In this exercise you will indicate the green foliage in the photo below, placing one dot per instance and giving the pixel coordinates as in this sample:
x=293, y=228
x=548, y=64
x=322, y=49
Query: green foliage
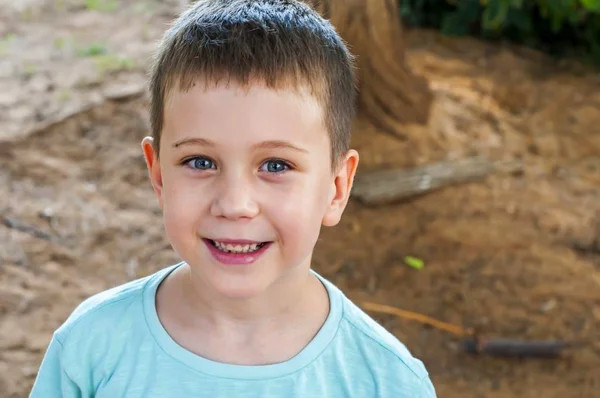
x=101, y=5
x=112, y=62
x=559, y=27
x=93, y=50
x=105, y=61
x=29, y=69
x=6, y=41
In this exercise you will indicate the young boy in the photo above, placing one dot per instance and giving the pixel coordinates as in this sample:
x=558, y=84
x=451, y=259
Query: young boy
x=251, y=109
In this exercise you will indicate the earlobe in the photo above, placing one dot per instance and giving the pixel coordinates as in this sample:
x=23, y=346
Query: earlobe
x=153, y=165
x=342, y=186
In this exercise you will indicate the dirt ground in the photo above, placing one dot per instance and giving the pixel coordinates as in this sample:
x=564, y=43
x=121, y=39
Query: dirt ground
x=515, y=255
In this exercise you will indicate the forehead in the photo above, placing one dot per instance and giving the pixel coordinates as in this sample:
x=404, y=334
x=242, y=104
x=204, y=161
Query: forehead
x=244, y=113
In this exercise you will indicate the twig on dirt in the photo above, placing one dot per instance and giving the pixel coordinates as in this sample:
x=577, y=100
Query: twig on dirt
x=476, y=344
x=123, y=92
x=392, y=185
x=109, y=94
x=26, y=228
x=593, y=245
x=62, y=116
x=448, y=327
x=514, y=348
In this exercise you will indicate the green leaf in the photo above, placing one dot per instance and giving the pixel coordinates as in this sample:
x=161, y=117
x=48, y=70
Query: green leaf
x=522, y=21
x=414, y=262
x=555, y=22
x=591, y=5
x=494, y=15
x=575, y=18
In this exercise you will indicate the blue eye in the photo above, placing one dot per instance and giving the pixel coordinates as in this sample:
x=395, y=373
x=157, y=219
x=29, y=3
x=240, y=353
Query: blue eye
x=201, y=163
x=275, y=166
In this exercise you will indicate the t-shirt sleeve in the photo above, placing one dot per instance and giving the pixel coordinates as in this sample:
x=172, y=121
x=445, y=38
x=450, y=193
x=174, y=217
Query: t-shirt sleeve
x=52, y=379
x=427, y=389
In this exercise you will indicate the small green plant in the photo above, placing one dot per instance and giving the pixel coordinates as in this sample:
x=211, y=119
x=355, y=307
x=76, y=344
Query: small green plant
x=29, y=69
x=101, y=5
x=112, y=63
x=65, y=94
x=93, y=50
x=60, y=43
x=27, y=14
x=144, y=8
x=60, y=5
x=6, y=41
x=106, y=62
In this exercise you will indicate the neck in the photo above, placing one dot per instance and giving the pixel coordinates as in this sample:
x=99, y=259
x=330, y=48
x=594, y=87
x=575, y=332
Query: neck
x=297, y=292
x=269, y=328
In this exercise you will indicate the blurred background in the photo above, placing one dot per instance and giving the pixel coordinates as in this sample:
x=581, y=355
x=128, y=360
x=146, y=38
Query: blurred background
x=477, y=201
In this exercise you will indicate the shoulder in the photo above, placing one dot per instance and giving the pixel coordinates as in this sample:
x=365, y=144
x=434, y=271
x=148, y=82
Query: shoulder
x=106, y=310
x=99, y=333
x=392, y=365
x=377, y=338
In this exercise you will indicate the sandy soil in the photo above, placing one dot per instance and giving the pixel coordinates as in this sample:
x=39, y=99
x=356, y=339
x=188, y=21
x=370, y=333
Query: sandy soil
x=516, y=256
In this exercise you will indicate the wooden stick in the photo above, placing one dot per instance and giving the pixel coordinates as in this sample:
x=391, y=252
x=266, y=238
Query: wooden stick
x=386, y=309
x=22, y=227
x=109, y=94
x=476, y=344
x=514, y=348
x=392, y=185
x=61, y=117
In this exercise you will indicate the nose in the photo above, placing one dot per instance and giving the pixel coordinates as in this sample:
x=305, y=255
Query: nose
x=234, y=199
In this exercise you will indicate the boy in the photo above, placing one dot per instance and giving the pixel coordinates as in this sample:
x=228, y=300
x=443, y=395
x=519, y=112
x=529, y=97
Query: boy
x=251, y=108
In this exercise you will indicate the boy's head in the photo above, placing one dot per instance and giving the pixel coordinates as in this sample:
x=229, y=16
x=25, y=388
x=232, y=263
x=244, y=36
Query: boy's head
x=251, y=108
x=281, y=43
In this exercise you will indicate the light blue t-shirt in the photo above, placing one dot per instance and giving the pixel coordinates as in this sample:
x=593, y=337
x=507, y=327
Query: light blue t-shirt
x=113, y=345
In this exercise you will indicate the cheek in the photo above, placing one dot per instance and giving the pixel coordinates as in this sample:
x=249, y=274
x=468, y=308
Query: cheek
x=297, y=210
x=182, y=204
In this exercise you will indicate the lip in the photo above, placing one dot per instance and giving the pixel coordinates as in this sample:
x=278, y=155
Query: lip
x=238, y=259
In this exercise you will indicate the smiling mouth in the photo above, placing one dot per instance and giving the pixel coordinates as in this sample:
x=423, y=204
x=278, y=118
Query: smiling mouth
x=236, y=248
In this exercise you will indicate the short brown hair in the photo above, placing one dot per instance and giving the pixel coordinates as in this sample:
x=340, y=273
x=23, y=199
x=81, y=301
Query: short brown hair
x=283, y=43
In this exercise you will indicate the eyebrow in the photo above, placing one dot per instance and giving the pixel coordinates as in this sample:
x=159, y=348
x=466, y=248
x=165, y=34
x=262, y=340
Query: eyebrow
x=276, y=144
x=272, y=144
x=193, y=141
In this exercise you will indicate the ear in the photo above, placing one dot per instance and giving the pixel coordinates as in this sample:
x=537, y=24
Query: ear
x=341, y=187
x=153, y=165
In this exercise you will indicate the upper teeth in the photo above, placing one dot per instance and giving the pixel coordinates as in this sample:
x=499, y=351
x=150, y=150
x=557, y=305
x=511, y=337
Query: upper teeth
x=237, y=248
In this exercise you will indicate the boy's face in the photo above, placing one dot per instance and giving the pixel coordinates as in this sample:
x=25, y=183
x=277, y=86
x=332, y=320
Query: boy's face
x=245, y=183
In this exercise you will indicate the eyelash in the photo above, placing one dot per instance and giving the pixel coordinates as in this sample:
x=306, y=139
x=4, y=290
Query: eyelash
x=287, y=165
